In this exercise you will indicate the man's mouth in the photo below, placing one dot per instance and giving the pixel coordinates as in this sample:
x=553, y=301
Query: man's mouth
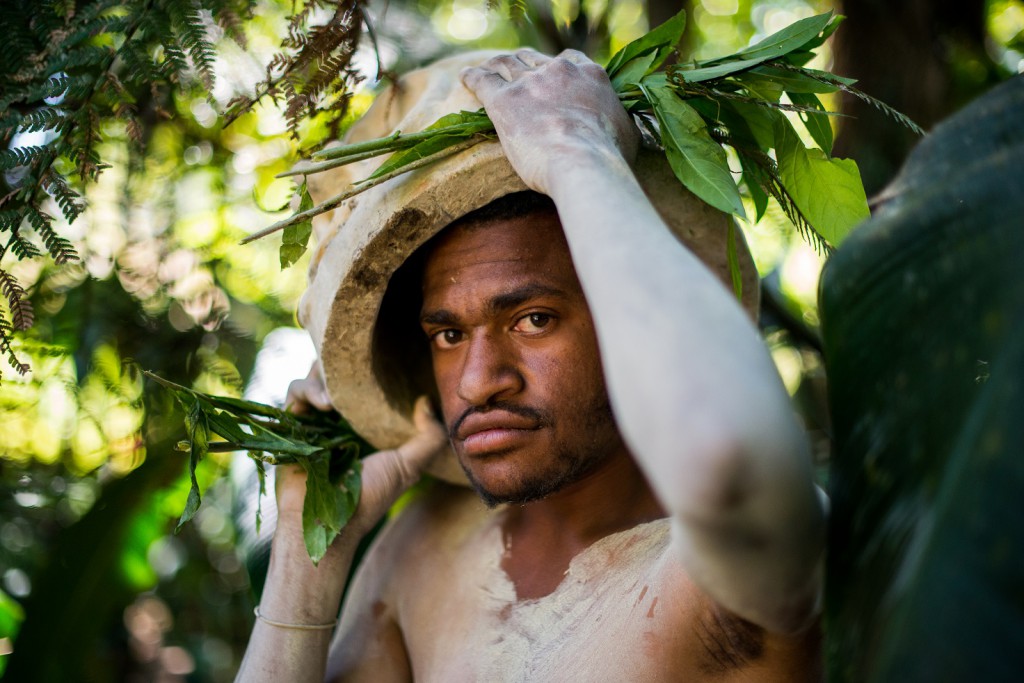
x=483, y=433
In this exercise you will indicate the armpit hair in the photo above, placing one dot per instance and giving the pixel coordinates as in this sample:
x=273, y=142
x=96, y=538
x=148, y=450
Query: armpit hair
x=729, y=641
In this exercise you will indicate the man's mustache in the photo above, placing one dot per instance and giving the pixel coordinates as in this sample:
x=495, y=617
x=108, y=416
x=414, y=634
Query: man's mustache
x=541, y=418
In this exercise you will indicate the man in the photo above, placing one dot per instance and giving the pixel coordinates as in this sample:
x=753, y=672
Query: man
x=678, y=540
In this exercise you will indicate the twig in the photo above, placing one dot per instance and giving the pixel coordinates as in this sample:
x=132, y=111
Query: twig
x=333, y=202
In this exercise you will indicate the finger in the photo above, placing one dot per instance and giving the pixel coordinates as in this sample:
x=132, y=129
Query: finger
x=430, y=438
x=574, y=56
x=393, y=471
x=509, y=67
x=481, y=80
x=532, y=58
x=306, y=393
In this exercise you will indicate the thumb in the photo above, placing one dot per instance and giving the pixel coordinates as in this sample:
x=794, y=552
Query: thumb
x=387, y=474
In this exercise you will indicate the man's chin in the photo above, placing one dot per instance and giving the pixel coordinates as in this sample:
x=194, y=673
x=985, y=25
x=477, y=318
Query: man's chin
x=516, y=489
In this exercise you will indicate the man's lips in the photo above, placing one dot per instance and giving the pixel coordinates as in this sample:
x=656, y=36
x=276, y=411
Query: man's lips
x=493, y=431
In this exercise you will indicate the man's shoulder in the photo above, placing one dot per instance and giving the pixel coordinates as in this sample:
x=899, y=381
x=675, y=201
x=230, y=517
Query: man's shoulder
x=434, y=520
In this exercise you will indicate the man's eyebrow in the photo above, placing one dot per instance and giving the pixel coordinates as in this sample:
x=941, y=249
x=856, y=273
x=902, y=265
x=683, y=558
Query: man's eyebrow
x=439, y=317
x=520, y=295
x=497, y=304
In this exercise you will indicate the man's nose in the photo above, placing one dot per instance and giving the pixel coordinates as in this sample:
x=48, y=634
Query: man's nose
x=489, y=371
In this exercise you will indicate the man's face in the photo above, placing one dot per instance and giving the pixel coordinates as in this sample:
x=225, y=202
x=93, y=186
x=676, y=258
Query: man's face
x=515, y=358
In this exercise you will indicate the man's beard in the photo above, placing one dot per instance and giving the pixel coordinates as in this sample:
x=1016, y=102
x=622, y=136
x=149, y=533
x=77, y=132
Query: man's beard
x=572, y=461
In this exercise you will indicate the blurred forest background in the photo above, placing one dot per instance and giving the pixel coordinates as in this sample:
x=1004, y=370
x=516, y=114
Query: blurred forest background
x=94, y=584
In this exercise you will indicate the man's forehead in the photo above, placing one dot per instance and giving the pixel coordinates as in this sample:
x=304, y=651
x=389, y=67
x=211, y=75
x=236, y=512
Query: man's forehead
x=527, y=253
x=517, y=241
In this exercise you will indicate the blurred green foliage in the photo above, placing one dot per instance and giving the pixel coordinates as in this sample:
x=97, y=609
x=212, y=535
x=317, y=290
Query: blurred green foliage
x=90, y=485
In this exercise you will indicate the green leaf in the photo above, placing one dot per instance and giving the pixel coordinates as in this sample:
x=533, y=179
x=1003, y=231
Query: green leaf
x=199, y=438
x=420, y=150
x=825, y=34
x=646, y=54
x=785, y=79
x=828, y=191
x=734, y=262
x=698, y=161
x=818, y=125
x=324, y=508
x=261, y=473
x=296, y=237
x=791, y=38
x=757, y=193
x=699, y=73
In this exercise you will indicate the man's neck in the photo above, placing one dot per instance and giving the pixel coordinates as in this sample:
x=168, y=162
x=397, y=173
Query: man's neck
x=542, y=537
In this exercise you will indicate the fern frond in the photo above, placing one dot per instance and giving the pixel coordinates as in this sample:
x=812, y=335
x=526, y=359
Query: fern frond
x=22, y=314
x=81, y=57
x=766, y=174
x=18, y=44
x=44, y=118
x=190, y=30
x=17, y=244
x=23, y=156
x=51, y=87
x=59, y=248
x=67, y=199
x=97, y=26
x=229, y=20
x=5, y=347
x=821, y=77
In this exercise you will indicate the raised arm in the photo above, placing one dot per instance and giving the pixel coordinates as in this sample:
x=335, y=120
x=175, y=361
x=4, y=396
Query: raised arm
x=694, y=390
x=300, y=602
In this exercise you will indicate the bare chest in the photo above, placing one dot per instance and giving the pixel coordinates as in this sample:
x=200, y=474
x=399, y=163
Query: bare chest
x=610, y=619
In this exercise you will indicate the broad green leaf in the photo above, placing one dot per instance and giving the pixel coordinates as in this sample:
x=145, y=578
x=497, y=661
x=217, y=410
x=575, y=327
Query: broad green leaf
x=423, y=149
x=757, y=193
x=633, y=71
x=199, y=437
x=296, y=237
x=793, y=37
x=351, y=488
x=826, y=33
x=818, y=125
x=457, y=119
x=784, y=79
x=697, y=161
x=828, y=191
x=923, y=328
x=699, y=73
x=320, y=509
x=748, y=124
x=625, y=66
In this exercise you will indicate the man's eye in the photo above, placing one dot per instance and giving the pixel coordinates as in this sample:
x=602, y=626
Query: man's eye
x=534, y=322
x=447, y=337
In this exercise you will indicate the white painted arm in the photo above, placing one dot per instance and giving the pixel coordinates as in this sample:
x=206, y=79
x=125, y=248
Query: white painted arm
x=694, y=390
x=295, y=591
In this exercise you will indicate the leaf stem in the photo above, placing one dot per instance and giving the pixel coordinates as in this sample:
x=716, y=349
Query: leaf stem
x=352, y=191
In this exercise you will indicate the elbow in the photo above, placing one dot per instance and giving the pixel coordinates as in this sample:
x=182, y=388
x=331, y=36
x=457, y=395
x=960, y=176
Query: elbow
x=715, y=482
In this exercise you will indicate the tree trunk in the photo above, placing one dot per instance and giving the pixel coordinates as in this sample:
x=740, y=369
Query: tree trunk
x=925, y=58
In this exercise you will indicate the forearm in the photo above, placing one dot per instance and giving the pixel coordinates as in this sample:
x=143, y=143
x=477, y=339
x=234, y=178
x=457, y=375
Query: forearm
x=296, y=593
x=695, y=393
x=694, y=390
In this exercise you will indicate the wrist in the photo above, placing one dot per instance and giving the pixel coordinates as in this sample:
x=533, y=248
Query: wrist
x=586, y=172
x=296, y=590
